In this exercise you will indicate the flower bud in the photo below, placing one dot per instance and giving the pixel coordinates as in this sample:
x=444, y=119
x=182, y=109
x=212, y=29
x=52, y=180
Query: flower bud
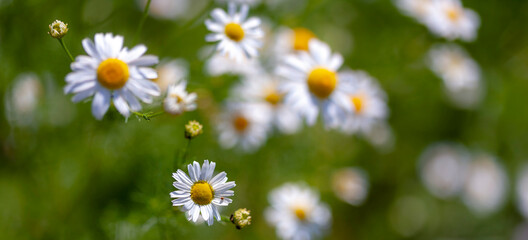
x=241, y=218
x=193, y=129
x=58, y=29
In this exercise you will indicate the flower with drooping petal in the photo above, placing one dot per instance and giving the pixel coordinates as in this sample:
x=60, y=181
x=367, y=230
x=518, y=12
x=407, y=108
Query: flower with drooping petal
x=238, y=37
x=111, y=73
x=200, y=194
x=312, y=84
x=297, y=213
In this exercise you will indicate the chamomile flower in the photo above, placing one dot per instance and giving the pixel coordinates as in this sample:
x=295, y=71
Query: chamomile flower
x=201, y=194
x=443, y=168
x=351, y=185
x=297, y=213
x=450, y=20
x=178, y=100
x=112, y=73
x=486, y=185
x=237, y=36
x=289, y=40
x=219, y=65
x=243, y=124
x=264, y=89
x=460, y=74
x=415, y=8
x=312, y=84
x=367, y=99
x=171, y=72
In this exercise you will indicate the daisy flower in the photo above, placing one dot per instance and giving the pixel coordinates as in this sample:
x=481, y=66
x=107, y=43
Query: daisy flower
x=443, y=168
x=201, y=194
x=263, y=88
x=312, y=84
x=522, y=191
x=237, y=35
x=219, y=65
x=450, y=20
x=351, y=185
x=171, y=72
x=289, y=40
x=178, y=100
x=460, y=74
x=243, y=124
x=297, y=213
x=367, y=99
x=415, y=8
x=112, y=73
x=486, y=185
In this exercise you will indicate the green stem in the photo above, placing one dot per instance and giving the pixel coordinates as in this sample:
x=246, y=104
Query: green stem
x=141, y=22
x=66, y=49
x=148, y=116
x=185, y=151
x=225, y=219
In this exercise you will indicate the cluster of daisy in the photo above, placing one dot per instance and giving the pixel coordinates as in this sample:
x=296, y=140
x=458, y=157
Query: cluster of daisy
x=305, y=83
x=450, y=62
x=449, y=170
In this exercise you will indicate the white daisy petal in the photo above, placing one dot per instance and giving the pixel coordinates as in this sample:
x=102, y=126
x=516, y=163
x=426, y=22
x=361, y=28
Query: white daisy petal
x=100, y=103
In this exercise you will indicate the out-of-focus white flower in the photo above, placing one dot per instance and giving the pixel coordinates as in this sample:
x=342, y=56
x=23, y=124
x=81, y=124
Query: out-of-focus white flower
x=22, y=100
x=201, y=194
x=443, y=168
x=238, y=37
x=264, y=89
x=522, y=191
x=289, y=40
x=166, y=9
x=486, y=185
x=351, y=185
x=248, y=2
x=112, y=73
x=297, y=213
x=243, y=124
x=312, y=84
x=460, y=74
x=415, y=8
x=171, y=72
x=218, y=65
x=408, y=215
x=381, y=136
x=367, y=99
x=450, y=20
x=178, y=100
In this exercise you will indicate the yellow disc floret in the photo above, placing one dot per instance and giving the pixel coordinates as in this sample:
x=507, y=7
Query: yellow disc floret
x=112, y=73
x=454, y=14
x=358, y=102
x=234, y=32
x=202, y=193
x=322, y=82
x=240, y=123
x=273, y=98
x=302, y=37
x=300, y=213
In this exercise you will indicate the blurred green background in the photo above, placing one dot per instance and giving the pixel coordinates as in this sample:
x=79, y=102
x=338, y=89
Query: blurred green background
x=69, y=176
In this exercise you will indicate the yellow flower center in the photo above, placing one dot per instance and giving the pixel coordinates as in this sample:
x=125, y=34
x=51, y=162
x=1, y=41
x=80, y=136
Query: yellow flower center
x=359, y=102
x=234, y=31
x=202, y=193
x=302, y=37
x=322, y=82
x=453, y=14
x=273, y=98
x=240, y=123
x=112, y=73
x=300, y=213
